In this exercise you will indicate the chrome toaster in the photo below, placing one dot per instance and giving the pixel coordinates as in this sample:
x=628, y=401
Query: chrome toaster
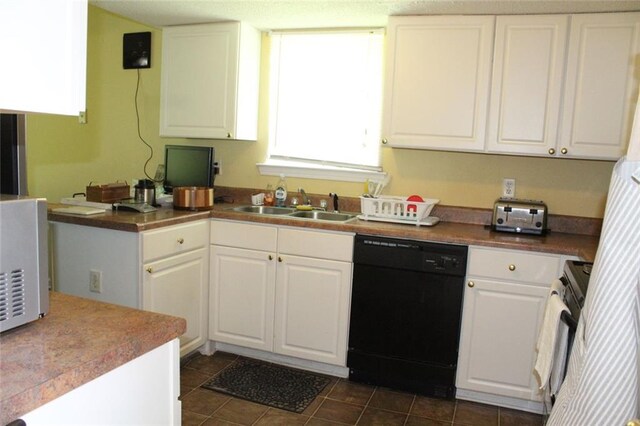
x=521, y=216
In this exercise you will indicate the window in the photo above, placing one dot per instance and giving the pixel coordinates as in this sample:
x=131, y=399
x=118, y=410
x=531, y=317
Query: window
x=325, y=100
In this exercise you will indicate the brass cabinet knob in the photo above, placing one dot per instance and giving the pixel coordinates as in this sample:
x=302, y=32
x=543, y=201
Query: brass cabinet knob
x=150, y=269
x=512, y=267
x=229, y=135
x=270, y=257
x=564, y=150
x=552, y=151
x=180, y=240
x=385, y=141
x=279, y=259
x=471, y=284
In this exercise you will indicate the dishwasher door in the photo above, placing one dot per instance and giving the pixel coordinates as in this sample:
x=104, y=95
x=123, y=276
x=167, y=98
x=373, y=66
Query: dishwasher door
x=406, y=309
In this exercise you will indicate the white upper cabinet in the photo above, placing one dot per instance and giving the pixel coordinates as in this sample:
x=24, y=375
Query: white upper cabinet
x=561, y=85
x=438, y=72
x=210, y=79
x=44, y=51
x=526, y=84
x=601, y=85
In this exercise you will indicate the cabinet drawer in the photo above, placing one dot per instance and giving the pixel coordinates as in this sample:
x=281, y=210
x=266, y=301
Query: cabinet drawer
x=513, y=265
x=244, y=235
x=174, y=239
x=321, y=245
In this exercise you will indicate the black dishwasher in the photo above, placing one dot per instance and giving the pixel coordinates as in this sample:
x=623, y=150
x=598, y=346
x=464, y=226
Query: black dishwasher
x=406, y=310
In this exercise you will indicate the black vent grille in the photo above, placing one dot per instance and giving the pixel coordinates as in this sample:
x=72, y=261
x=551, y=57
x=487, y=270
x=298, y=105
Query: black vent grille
x=12, y=294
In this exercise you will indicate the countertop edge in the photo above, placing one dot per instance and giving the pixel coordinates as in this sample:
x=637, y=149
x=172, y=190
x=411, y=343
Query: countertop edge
x=583, y=246
x=165, y=328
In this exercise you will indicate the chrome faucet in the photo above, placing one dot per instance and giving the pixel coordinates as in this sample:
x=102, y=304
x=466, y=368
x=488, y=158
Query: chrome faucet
x=305, y=198
x=335, y=201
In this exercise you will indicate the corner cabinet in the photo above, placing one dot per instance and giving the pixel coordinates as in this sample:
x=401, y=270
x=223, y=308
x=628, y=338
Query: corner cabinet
x=437, y=81
x=209, y=82
x=164, y=270
x=175, y=278
x=281, y=290
x=504, y=303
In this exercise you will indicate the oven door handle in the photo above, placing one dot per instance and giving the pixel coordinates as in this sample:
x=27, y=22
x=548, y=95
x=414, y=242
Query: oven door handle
x=569, y=320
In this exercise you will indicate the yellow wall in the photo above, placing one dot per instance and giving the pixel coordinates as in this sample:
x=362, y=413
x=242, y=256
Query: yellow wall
x=64, y=156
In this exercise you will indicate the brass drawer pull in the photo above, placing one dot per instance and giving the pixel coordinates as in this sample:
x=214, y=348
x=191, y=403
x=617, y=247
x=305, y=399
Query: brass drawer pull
x=512, y=267
x=180, y=240
x=471, y=284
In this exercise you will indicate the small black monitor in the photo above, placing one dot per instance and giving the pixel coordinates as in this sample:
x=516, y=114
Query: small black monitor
x=186, y=165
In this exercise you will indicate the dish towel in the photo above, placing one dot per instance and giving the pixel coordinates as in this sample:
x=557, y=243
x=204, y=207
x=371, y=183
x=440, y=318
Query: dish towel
x=601, y=386
x=552, y=343
x=558, y=288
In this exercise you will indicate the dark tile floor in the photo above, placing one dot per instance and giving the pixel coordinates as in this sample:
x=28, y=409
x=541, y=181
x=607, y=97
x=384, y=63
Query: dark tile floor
x=340, y=403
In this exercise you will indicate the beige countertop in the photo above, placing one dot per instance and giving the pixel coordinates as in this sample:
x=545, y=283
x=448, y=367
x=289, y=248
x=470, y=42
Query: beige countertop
x=458, y=226
x=77, y=341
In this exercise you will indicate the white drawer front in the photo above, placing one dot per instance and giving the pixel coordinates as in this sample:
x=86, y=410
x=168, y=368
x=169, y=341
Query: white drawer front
x=513, y=265
x=321, y=245
x=174, y=239
x=244, y=235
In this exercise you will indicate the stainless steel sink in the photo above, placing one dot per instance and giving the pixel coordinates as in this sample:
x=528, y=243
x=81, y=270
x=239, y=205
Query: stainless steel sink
x=300, y=214
x=264, y=210
x=322, y=215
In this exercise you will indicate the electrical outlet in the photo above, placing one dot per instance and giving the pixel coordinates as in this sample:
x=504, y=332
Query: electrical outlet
x=95, y=281
x=508, y=187
x=217, y=168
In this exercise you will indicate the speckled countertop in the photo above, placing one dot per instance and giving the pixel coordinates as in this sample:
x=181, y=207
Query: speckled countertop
x=76, y=342
x=569, y=235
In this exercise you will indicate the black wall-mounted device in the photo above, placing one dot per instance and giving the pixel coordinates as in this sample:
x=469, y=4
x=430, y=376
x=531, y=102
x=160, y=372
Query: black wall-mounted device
x=136, y=50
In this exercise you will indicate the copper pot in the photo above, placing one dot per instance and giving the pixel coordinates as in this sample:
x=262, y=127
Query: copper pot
x=193, y=198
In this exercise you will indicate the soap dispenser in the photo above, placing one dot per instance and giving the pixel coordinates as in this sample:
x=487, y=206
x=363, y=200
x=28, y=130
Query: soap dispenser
x=281, y=192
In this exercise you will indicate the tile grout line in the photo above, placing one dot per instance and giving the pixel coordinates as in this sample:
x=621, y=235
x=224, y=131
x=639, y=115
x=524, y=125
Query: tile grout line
x=413, y=401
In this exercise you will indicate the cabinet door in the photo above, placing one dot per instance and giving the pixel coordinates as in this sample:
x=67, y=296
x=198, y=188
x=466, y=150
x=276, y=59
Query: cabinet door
x=312, y=309
x=178, y=286
x=527, y=83
x=199, y=80
x=437, y=81
x=500, y=323
x=601, y=87
x=242, y=287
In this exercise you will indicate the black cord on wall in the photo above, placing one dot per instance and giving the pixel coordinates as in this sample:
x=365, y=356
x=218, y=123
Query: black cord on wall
x=144, y=169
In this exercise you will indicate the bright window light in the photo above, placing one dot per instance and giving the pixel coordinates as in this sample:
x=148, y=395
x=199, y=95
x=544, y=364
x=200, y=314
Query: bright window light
x=325, y=97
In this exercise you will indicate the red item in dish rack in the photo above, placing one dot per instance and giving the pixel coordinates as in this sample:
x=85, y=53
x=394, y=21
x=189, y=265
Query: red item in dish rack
x=413, y=207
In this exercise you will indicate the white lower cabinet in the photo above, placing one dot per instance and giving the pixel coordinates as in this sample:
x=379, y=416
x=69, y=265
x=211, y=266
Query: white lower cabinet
x=504, y=304
x=175, y=277
x=281, y=290
x=312, y=307
x=178, y=286
x=144, y=391
x=242, y=297
x=163, y=270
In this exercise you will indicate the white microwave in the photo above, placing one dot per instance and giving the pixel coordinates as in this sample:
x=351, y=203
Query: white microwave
x=24, y=261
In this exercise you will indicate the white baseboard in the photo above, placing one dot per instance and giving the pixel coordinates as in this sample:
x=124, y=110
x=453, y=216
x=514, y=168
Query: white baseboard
x=317, y=367
x=501, y=401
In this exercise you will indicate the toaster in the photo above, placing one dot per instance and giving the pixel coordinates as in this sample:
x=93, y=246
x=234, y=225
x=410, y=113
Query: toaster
x=521, y=216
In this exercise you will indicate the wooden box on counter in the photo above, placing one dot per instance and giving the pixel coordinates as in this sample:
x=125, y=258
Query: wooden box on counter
x=108, y=193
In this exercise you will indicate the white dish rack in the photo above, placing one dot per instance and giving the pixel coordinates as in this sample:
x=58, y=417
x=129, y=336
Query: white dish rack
x=398, y=210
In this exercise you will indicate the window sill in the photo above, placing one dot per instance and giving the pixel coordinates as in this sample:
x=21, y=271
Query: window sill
x=313, y=171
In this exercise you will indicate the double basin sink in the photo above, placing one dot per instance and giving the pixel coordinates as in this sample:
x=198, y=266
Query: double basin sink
x=295, y=213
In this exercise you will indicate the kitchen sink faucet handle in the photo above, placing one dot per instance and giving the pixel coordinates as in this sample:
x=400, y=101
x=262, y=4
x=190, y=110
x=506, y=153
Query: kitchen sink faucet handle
x=335, y=201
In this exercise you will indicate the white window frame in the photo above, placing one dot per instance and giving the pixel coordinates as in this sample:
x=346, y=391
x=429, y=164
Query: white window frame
x=276, y=165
